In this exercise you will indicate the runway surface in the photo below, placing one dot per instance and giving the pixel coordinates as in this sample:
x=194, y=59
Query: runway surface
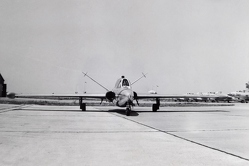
x=64, y=135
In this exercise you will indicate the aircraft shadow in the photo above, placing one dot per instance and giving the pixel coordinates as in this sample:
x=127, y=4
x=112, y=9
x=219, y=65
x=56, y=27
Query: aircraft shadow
x=119, y=111
x=122, y=111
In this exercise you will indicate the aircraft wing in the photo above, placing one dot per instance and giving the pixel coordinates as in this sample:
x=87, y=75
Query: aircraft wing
x=147, y=96
x=103, y=96
x=85, y=95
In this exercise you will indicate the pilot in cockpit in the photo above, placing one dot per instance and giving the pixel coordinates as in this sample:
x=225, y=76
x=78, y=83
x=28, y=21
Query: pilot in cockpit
x=125, y=82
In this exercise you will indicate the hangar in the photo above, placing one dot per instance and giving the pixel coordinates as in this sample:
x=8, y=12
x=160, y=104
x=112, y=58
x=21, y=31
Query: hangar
x=3, y=87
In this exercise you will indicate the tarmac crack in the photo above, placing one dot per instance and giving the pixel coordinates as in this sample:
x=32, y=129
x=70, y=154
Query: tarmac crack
x=182, y=138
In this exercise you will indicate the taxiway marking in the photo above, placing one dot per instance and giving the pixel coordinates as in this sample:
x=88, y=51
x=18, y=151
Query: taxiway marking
x=182, y=138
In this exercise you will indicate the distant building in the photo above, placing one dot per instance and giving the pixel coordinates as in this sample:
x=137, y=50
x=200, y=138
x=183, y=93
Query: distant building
x=3, y=87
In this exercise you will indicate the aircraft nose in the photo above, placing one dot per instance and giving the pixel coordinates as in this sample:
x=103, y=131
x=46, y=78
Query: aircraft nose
x=128, y=93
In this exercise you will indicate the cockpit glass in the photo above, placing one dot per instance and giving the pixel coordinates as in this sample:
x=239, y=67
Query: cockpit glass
x=117, y=85
x=125, y=82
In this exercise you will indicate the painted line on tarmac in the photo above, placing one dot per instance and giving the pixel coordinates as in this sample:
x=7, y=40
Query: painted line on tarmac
x=13, y=108
x=209, y=147
x=183, y=131
x=74, y=132
x=185, y=139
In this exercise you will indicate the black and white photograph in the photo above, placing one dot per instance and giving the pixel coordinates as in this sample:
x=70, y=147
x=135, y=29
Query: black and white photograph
x=124, y=82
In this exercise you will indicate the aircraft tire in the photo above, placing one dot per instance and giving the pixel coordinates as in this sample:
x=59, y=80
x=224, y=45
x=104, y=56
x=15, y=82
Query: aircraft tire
x=155, y=107
x=83, y=106
x=128, y=111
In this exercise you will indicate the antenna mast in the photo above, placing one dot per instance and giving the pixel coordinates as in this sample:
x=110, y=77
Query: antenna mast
x=85, y=74
x=144, y=75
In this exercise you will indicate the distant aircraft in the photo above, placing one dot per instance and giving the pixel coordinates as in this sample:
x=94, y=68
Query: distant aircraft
x=122, y=94
x=209, y=96
x=152, y=92
x=217, y=96
x=205, y=99
x=213, y=96
x=189, y=98
x=241, y=96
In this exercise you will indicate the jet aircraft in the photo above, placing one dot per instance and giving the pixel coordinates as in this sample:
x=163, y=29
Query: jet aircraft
x=215, y=97
x=122, y=95
x=241, y=96
x=219, y=96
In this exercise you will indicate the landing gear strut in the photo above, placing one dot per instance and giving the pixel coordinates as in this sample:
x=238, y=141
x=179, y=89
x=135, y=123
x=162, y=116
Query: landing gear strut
x=128, y=110
x=82, y=105
x=155, y=107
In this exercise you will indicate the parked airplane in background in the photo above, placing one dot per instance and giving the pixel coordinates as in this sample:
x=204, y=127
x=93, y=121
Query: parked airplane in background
x=189, y=98
x=209, y=96
x=216, y=97
x=198, y=99
x=241, y=96
x=122, y=94
x=152, y=92
x=205, y=99
x=219, y=96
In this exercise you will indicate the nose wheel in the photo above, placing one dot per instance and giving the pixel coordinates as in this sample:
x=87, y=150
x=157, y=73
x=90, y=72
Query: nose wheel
x=128, y=111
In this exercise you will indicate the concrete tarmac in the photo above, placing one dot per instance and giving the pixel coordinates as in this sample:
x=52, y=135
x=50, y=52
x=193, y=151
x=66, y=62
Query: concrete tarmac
x=64, y=135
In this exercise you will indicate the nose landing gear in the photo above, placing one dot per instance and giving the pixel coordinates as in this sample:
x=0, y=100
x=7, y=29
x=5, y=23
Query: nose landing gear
x=128, y=110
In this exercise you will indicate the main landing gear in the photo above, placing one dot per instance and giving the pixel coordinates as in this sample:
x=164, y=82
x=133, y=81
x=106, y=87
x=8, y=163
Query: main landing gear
x=156, y=106
x=82, y=105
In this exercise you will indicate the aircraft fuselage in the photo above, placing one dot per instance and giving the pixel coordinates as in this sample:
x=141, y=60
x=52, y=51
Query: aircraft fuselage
x=124, y=93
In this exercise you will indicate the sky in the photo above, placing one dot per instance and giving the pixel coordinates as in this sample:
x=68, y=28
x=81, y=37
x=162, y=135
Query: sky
x=183, y=45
